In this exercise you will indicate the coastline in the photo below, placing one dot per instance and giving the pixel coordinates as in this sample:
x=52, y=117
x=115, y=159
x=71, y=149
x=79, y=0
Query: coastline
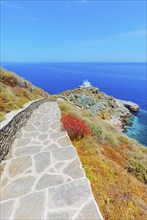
x=123, y=121
x=126, y=119
x=137, y=127
x=130, y=105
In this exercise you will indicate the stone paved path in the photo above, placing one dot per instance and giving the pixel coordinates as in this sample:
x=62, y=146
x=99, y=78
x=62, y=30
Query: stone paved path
x=43, y=177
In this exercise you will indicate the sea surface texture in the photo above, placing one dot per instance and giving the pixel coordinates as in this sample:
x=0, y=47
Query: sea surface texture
x=125, y=81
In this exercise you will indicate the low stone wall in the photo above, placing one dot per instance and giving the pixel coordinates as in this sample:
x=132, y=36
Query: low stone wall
x=8, y=130
x=65, y=98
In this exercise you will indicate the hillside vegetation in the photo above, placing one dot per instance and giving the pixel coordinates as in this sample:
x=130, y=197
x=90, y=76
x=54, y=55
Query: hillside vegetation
x=114, y=163
x=15, y=92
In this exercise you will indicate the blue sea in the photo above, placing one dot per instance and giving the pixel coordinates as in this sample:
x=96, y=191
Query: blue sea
x=125, y=81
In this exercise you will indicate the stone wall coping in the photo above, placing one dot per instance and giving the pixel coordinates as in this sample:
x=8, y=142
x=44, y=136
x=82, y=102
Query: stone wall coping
x=9, y=116
x=13, y=122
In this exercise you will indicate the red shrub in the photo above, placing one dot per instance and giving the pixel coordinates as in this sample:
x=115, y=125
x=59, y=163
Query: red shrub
x=9, y=80
x=19, y=91
x=75, y=128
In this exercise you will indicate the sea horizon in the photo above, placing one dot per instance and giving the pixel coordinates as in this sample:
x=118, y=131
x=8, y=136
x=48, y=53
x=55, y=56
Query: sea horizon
x=121, y=62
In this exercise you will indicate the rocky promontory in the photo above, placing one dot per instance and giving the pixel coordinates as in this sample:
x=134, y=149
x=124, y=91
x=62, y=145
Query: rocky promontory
x=130, y=105
x=102, y=105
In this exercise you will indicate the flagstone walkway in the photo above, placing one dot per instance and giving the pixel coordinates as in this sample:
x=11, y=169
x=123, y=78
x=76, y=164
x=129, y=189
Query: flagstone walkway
x=43, y=177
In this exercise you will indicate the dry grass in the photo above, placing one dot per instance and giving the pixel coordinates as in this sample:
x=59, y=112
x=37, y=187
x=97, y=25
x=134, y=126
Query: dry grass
x=15, y=92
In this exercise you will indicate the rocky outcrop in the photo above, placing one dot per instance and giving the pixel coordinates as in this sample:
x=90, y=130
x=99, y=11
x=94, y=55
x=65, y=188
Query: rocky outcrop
x=100, y=104
x=130, y=105
x=14, y=121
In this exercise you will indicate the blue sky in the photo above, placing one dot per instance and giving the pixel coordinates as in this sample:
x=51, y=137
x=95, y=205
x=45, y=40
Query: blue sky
x=80, y=30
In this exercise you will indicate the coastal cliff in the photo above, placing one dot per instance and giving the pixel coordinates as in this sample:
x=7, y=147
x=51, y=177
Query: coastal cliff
x=130, y=105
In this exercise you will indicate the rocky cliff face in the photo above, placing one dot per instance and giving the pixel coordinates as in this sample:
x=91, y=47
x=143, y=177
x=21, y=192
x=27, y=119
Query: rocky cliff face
x=100, y=104
x=130, y=105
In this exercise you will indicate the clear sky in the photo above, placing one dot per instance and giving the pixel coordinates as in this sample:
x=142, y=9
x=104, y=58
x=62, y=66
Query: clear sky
x=79, y=30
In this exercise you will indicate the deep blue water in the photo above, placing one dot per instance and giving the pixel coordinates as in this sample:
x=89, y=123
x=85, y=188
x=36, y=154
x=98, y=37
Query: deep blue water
x=138, y=130
x=121, y=80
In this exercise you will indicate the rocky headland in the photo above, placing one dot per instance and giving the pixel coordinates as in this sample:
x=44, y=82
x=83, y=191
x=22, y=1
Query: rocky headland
x=102, y=105
x=130, y=105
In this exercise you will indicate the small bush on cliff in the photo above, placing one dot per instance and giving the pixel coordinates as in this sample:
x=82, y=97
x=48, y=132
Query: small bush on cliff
x=2, y=116
x=96, y=130
x=137, y=164
x=76, y=128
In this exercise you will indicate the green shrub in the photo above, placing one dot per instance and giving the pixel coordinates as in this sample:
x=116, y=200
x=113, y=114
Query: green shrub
x=95, y=129
x=137, y=165
x=2, y=116
x=110, y=139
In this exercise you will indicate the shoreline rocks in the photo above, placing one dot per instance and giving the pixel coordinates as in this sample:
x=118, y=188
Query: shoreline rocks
x=130, y=105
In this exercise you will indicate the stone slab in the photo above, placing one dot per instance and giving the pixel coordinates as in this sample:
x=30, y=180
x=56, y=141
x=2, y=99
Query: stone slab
x=31, y=207
x=74, y=170
x=19, y=165
x=71, y=194
x=48, y=180
x=17, y=188
x=42, y=161
x=6, y=209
